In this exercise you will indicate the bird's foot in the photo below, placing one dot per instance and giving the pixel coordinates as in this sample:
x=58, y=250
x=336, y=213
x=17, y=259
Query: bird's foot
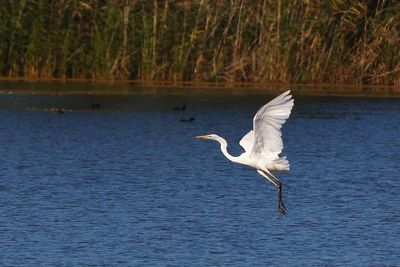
x=282, y=208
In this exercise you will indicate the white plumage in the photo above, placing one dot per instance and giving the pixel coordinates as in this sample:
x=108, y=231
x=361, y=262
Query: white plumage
x=263, y=144
x=265, y=140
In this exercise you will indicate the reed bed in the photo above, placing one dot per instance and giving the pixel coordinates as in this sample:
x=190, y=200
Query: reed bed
x=278, y=41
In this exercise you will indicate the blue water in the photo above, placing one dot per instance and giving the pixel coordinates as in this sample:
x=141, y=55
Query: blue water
x=127, y=185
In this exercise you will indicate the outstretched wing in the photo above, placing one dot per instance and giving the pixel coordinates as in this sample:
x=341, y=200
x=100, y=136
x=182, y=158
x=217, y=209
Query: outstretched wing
x=267, y=124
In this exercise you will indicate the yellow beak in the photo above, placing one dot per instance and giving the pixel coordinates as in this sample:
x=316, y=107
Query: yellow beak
x=201, y=137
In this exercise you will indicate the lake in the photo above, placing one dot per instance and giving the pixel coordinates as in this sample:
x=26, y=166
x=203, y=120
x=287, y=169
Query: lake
x=126, y=184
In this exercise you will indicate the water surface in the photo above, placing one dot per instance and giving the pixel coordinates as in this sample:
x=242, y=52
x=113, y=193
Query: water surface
x=126, y=184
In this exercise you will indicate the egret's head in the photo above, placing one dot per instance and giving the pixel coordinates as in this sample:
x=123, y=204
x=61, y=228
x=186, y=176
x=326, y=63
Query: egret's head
x=208, y=136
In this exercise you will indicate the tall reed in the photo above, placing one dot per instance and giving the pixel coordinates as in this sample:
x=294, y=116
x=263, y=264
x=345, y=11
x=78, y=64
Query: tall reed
x=302, y=41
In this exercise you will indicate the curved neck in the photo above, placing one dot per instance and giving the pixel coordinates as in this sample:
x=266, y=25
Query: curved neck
x=224, y=150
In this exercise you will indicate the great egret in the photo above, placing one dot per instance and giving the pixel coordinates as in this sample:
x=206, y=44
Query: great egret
x=263, y=144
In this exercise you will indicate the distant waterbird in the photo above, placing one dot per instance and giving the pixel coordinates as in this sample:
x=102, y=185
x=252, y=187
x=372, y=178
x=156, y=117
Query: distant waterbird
x=95, y=105
x=182, y=108
x=263, y=145
x=191, y=119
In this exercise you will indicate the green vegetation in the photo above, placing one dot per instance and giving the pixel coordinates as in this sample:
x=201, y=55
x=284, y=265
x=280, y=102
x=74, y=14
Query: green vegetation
x=294, y=41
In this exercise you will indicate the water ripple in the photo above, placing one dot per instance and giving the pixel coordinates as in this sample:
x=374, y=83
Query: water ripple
x=135, y=189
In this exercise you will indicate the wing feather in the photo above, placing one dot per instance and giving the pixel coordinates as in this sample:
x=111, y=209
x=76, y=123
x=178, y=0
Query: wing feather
x=267, y=124
x=247, y=141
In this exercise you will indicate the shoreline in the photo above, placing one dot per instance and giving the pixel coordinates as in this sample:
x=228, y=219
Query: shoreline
x=29, y=86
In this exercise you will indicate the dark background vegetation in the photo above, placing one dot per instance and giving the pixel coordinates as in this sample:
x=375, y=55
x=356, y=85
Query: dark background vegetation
x=293, y=41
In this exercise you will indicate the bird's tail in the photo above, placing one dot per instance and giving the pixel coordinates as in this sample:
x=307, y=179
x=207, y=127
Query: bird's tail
x=281, y=164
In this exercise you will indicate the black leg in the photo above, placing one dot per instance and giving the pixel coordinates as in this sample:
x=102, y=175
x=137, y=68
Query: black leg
x=278, y=185
x=281, y=206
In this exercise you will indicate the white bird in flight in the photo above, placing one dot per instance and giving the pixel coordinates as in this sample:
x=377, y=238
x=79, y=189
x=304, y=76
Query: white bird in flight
x=263, y=144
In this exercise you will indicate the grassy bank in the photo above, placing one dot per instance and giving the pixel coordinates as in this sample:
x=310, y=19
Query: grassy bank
x=280, y=41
